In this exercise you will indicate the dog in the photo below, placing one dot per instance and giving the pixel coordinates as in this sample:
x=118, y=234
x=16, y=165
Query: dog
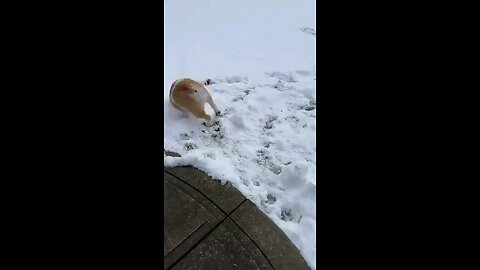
x=190, y=96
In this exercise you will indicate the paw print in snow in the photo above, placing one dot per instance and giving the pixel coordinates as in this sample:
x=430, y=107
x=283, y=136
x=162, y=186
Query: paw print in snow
x=269, y=122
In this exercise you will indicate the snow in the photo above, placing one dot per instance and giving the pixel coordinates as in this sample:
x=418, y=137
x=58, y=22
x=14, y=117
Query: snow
x=260, y=56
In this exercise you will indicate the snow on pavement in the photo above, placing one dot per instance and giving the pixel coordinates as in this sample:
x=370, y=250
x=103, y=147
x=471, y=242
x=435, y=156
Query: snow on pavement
x=264, y=144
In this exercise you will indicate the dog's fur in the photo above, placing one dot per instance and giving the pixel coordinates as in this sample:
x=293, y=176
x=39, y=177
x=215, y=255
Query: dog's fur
x=190, y=96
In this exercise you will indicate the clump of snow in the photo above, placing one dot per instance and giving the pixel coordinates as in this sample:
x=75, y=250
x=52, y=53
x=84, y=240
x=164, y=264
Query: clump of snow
x=264, y=144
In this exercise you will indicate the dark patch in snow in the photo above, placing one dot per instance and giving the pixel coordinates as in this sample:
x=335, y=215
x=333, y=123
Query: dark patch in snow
x=292, y=118
x=209, y=82
x=190, y=146
x=266, y=161
x=281, y=86
x=304, y=72
x=288, y=215
x=312, y=105
x=262, y=157
x=243, y=95
x=309, y=31
x=237, y=98
x=269, y=122
x=290, y=78
x=184, y=136
x=216, y=131
x=218, y=136
x=271, y=199
x=260, y=153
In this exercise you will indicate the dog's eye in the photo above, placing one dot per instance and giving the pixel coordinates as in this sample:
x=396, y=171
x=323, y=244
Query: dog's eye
x=195, y=91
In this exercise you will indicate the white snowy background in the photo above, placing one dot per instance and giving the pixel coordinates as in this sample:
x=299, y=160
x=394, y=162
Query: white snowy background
x=260, y=56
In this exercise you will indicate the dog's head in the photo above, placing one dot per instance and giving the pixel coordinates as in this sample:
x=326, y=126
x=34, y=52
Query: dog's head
x=200, y=92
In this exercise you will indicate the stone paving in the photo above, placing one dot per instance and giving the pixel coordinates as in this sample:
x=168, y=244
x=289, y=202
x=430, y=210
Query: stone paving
x=212, y=226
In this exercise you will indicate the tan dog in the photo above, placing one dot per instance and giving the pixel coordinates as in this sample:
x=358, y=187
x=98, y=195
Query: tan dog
x=190, y=96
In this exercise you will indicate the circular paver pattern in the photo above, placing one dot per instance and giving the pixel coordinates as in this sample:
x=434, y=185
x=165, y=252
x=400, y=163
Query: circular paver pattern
x=212, y=226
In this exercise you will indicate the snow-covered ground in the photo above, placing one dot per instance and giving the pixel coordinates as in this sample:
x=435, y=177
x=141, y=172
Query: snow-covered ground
x=260, y=56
